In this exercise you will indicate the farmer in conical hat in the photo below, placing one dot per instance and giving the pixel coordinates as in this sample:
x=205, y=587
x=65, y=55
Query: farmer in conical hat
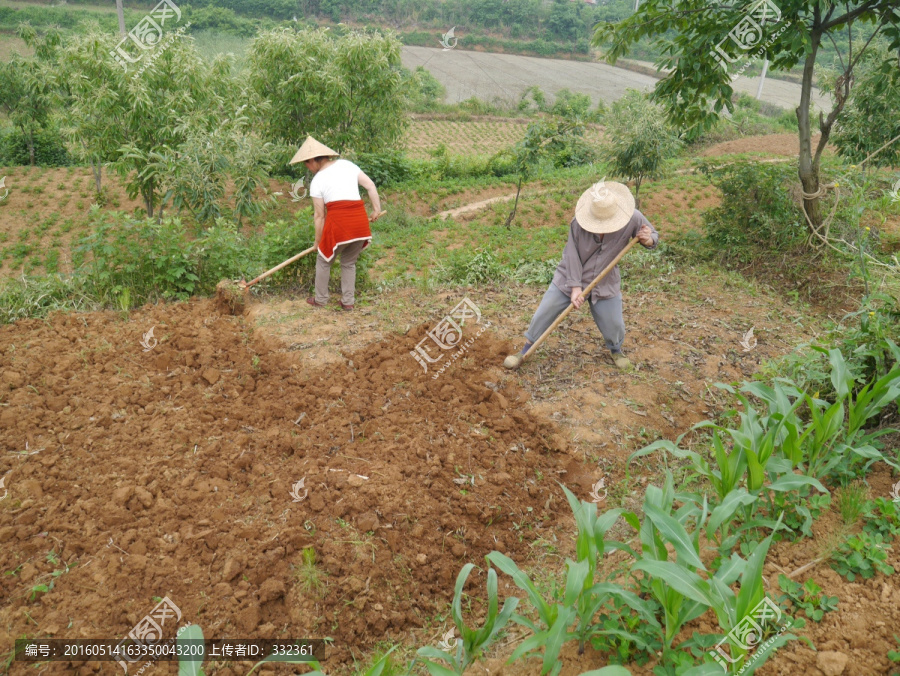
x=605, y=220
x=342, y=225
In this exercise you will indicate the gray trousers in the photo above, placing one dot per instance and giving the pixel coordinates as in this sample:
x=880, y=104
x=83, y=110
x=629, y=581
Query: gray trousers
x=607, y=315
x=348, y=253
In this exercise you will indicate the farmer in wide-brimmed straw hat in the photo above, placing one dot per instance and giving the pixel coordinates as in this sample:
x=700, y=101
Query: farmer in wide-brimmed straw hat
x=342, y=225
x=605, y=220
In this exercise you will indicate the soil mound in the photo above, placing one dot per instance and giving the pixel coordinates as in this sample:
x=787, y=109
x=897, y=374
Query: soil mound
x=172, y=468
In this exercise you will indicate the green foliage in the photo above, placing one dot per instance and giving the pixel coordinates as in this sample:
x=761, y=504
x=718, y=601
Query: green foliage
x=423, y=90
x=36, y=297
x=26, y=86
x=851, y=501
x=638, y=139
x=872, y=116
x=346, y=91
x=162, y=260
x=472, y=642
x=387, y=168
x=756, y=214
x=699, y=89
x=882, y=517
x=862, y=555
x=49, y=148
x=807, y=597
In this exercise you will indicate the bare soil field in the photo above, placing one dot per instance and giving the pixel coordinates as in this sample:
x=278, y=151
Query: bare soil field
x=505, y=77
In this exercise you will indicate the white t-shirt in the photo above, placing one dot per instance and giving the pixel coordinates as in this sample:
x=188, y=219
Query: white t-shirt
x=339, y=181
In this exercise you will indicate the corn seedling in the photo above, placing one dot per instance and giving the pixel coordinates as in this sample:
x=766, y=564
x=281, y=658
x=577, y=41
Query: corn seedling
x=472, y=642
x=190, y=661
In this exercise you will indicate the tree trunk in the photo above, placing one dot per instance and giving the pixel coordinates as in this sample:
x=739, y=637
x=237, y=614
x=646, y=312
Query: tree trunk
x=30, y=141
x=637, y=193
x=97, y=168
x=120, y=10
x=809, y=168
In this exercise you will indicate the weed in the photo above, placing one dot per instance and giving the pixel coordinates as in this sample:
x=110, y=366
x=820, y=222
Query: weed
x=807, y=597
x=308, y=574
x=851, y=502
x=882, y=516
x=862, y=555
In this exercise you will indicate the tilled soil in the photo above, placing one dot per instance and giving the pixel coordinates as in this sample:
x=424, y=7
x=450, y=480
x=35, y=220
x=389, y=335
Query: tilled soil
x=172, y=471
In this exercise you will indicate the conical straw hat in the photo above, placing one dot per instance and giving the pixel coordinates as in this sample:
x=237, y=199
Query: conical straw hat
x=605, y=207
x=312, y=149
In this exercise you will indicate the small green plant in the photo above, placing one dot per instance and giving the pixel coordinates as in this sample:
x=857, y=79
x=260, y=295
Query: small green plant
x=307, y=572
x=807, y=597
x=472, y=642
x=852, y=502
x=894, y=655
x=882, y=517
x=862, y=555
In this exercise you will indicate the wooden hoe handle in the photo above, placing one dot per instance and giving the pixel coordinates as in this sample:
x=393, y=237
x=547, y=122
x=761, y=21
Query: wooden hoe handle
x=279, y=266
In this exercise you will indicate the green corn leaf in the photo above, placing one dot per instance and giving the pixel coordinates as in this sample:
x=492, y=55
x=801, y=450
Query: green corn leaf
x=436, y=669
x=841, y=378
x=685, y=582
x=577, y=573
x=675, y=534
x=705, y=669
x=456, y=606
x=191, y=667
x=612, y=670
x=523, y=582
x=791, y=482
x=732, y=502
x=757, y=475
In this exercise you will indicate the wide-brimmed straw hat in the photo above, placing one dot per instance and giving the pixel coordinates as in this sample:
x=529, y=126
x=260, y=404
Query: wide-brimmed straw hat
x=312, y=149
x=605, y=207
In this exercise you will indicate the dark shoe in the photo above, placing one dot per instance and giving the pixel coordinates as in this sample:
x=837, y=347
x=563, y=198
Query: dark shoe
x=346, y=307
x=312, y=301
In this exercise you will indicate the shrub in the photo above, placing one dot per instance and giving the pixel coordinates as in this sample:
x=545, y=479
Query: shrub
x=386, y=168
x=49, y=149
x=756, y=212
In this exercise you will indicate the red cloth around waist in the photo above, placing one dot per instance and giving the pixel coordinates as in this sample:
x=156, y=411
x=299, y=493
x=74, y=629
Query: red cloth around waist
x=345, y=221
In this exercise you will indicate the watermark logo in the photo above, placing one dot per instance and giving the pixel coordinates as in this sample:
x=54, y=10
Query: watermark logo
x=148, y=630
x=745, y=341
x=145, y=341
x=748, y=634
x=296, y=488
x=447, y=37
x=595, y=491
x=895, y=492
x=295, y=191
x=3, y=186
x=894, y=193
x=147, y=35
x=447, y=335
x=6, y=490
x=599, y=191
x=748, y=34
x=445, y=643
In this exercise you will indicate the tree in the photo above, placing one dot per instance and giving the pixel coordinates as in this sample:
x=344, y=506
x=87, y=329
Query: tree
x=347, y=91
x=543, y=140
x=871, y=121
x=93, y=88
x=698, y=88
x=638, y=139
x=27, y=85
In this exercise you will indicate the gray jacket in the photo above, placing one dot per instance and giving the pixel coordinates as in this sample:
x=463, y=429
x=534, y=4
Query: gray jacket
x=587, y=254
